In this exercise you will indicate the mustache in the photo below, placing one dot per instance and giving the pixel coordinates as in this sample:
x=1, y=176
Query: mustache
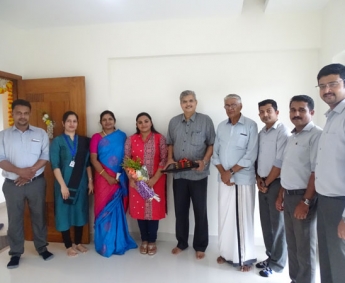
x=297, y=118
x=329, y=93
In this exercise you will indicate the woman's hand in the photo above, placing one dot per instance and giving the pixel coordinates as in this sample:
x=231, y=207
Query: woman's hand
x=151, y=182
x=132, y=183
x=90, y=186
x=64, y=192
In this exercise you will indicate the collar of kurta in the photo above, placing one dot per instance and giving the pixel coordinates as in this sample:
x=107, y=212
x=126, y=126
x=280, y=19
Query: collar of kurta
x=275, y=126
x=338, y=109
x=307, y=128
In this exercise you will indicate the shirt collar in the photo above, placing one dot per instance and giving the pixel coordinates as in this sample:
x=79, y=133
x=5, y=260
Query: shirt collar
x=241, y=120
x=307, y=127
x=275, y=126
x=14, y=128
x=192, y=118
x=338, y=109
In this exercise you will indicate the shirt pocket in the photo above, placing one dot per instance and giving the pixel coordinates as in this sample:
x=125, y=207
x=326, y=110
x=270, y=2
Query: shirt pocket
x=36, y=147
x=197, y=138
x=242, y=141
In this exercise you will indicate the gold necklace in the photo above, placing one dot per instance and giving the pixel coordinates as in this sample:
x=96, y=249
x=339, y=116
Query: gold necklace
x=104, y=133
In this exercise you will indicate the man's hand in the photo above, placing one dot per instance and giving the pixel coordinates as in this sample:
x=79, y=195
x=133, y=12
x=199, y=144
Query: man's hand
x=201, y=165
x=280, y=203
x=21, y=181
x=341, y=230
x=225, y=177
x=169, y=161
x=261, y=185
x=26, y=173
x=301, y=211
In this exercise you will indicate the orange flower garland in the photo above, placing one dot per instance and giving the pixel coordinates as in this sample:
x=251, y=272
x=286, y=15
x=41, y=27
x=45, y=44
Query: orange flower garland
x=9, y=89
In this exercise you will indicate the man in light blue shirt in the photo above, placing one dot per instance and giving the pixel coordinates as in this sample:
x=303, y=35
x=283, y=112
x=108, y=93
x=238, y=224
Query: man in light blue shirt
x=24, y=152
x=272, y=141
x=234, y=154
x=297, y=195
x=330, y=177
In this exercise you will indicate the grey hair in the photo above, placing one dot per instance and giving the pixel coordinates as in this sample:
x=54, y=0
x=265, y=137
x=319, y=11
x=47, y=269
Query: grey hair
x=186, y=93
x=239, y=100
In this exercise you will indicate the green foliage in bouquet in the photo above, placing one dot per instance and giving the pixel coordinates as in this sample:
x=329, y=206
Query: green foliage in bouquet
x=129, y=163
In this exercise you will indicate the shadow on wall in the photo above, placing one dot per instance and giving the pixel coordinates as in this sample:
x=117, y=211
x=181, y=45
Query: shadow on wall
x=339, y=58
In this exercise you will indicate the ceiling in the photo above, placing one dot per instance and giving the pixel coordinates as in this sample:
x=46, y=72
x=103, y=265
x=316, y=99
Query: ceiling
x=29, y=14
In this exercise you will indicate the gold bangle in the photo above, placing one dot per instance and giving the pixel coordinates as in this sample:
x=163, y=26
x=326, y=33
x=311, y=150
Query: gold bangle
x=100, y=173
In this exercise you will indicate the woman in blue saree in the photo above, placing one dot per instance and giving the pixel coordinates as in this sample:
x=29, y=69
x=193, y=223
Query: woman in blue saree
x=111, y=189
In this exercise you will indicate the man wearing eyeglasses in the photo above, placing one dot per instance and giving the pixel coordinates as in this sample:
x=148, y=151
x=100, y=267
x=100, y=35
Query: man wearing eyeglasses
x=297, y=195
x=330, y=176
x=234, y=154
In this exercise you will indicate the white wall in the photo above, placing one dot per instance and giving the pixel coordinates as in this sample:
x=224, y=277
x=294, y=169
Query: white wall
x=255, y=55
x=332, y=42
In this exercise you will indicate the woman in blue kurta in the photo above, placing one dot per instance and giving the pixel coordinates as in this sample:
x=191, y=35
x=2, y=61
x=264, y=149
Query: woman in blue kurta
x=69, y=158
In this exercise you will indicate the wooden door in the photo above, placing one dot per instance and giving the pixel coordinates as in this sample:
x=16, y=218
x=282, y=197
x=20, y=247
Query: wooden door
x=54, y=97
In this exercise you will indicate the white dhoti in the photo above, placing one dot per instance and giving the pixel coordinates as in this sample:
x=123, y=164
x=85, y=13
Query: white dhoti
x=236, y=223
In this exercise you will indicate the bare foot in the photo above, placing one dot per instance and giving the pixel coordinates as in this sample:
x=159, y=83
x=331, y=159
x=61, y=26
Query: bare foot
x=71, y=252
x=245, y=268
x=199, y=255
x=81, y=248
x=176, y=251
x=220, y=260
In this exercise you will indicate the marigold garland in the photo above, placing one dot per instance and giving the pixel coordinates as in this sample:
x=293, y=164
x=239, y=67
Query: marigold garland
x=9, y=89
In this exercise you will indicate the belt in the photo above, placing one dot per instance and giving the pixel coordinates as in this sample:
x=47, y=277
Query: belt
x=295, y=192
x=33, y=179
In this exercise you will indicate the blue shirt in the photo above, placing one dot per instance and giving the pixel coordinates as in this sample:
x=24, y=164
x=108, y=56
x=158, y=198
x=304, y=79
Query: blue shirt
x=23, y=149
x=237, y=144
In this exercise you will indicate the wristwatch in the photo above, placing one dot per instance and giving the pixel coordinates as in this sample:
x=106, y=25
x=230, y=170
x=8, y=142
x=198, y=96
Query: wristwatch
x=232, y=172
x=306, y=201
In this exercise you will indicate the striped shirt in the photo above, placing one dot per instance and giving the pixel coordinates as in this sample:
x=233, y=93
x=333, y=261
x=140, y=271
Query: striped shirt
x=23, y=149
x=190, y=139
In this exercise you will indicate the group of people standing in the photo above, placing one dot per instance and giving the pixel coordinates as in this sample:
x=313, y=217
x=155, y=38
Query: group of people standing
x=298, y=176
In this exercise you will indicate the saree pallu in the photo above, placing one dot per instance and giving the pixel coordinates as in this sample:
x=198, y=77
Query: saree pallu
x=110, y=152
x=111, y=230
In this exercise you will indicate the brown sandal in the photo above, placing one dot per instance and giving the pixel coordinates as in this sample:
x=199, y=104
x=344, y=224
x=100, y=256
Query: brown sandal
x=143, y=248
x=152, y=249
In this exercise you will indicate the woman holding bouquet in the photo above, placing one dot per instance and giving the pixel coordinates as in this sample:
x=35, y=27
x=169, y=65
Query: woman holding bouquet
x=107, y=152
x=150, y=146
x=69, y=158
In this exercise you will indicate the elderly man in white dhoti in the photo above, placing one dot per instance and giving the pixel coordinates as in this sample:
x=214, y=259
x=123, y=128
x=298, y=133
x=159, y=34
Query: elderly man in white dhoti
x=234, y=155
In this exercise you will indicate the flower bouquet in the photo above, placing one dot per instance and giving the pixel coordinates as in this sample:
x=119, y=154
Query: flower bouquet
x=50, y=125
x=139, y=173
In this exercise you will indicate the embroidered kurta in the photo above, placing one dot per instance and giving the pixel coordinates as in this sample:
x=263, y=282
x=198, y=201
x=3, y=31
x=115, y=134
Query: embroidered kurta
x=153, y=154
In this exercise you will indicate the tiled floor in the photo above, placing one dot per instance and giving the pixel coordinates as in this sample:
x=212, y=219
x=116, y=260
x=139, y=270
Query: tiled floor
x=131, y=267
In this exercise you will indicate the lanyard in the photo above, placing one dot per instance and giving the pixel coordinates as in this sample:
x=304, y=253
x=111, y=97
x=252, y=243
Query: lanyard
x=73, y=150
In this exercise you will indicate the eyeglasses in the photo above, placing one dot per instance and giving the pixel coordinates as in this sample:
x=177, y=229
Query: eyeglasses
x=333, y=85
x=230, y=106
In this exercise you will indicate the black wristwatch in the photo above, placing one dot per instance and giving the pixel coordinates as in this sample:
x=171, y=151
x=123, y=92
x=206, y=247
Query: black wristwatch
x=232, y=171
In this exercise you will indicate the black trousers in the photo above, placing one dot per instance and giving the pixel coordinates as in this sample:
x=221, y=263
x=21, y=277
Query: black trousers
x=185, y=191
x=148, y=230
x=78, y=234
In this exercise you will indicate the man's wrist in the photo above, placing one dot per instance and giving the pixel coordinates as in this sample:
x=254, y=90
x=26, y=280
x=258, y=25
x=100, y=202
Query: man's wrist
x=232, y=171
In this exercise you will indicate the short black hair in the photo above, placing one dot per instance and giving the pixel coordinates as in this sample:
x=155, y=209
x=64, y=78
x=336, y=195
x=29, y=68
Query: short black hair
x=21, y=102
x=269, y=101
x=332, y=69
x=68, y=113
x=304, y=98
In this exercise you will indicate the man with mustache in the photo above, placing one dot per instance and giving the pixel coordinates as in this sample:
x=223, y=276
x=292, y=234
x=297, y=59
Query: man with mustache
x=297, y=195
x=272, y=142
x=24, y=152
x=330, y=177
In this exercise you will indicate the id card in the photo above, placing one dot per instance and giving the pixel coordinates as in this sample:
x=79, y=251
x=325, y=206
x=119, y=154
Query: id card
x=72, y=163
